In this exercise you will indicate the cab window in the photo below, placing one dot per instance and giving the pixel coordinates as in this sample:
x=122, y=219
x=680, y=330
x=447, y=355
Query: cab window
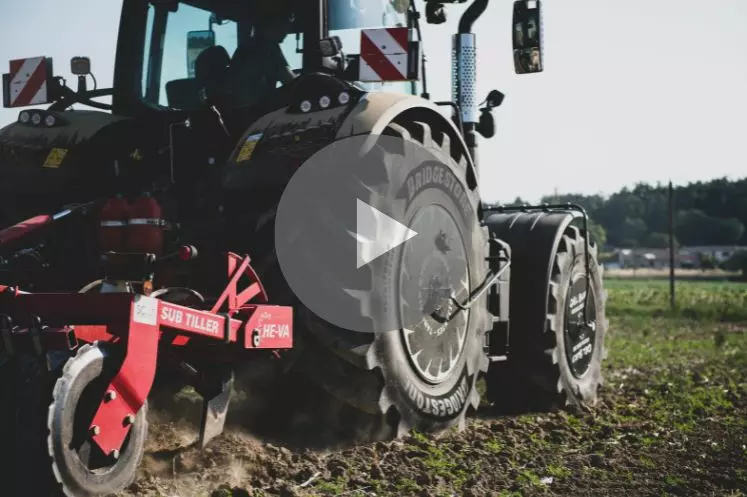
x=169, y=77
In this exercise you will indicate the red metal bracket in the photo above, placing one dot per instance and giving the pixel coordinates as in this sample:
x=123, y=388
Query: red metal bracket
x=130, y=387
x=237, y=267
x=138, y=322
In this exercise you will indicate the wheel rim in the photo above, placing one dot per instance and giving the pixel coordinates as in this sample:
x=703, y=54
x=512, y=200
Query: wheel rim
x=580, y=337
x=426, y=284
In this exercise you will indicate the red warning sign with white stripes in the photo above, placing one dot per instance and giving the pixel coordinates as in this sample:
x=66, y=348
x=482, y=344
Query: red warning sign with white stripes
x=388, y=54
x=26, y=84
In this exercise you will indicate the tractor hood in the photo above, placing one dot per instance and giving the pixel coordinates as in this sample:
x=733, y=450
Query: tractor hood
x=51, y=158
x=37, y=132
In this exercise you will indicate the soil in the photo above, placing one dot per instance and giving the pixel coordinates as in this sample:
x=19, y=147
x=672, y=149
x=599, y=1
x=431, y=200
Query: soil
x=672, y=420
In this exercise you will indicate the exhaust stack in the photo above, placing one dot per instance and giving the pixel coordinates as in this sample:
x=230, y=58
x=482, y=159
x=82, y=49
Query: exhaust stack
x=464, y=73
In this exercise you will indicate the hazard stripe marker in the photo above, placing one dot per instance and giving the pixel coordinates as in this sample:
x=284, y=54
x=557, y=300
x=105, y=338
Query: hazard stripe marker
x=385, y=54
x=28, y=81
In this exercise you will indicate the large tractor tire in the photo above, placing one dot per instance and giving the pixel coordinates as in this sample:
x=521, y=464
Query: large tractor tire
x=391, y=375
x=397, y=381
x=554, y=359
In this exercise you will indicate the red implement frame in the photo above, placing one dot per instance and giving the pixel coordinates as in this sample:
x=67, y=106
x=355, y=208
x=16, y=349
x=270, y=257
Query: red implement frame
x=137, y=322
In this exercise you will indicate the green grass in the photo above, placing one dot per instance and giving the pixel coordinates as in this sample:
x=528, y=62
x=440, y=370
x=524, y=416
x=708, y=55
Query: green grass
x=695, y=300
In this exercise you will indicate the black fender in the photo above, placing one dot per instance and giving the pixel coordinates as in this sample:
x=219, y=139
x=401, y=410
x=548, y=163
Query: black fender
x=377, y=110
x=43, y=167
x=534, y=238
x=277, y=143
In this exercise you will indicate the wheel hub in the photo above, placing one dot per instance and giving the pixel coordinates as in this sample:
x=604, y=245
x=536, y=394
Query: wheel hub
x=435, y=274
x=580, y=326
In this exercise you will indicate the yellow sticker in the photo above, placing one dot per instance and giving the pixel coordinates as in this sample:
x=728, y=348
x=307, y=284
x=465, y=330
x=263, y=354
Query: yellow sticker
x=136, y=155
x=248, y=148
x=55, y=157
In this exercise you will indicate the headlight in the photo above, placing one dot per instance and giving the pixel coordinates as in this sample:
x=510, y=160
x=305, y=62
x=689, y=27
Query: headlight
x=37, y=117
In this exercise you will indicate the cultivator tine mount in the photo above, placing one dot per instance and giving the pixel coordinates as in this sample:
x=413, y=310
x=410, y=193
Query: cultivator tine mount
x=136, y=324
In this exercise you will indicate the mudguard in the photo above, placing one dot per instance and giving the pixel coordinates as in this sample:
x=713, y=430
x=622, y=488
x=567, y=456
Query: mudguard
x=378, y=109
x=43, y=167
x=275, y=145
x=534, y=239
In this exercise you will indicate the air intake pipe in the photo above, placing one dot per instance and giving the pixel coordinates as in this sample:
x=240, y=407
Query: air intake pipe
x=464, y=73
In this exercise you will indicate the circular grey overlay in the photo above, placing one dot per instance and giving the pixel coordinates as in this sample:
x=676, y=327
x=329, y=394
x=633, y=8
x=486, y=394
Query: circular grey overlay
x=370, y=235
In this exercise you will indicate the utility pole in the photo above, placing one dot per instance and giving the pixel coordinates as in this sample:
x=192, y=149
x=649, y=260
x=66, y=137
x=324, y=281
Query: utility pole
x=671, y=245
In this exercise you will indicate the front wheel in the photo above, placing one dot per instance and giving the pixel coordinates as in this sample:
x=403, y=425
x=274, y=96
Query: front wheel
x=558, y=323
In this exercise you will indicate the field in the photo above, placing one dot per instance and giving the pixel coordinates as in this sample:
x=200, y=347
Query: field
x=672, y=420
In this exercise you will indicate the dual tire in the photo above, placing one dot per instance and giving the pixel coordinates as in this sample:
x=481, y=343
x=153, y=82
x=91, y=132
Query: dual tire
x=556, y=350
x=557, y=318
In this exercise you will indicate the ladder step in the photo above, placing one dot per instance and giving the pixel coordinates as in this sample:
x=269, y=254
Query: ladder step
x=498, y=358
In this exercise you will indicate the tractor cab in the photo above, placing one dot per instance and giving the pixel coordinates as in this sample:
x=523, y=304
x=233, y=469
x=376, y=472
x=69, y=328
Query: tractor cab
x=213, y=66
x=195, y=50
x=176, y=54
x=193, y=78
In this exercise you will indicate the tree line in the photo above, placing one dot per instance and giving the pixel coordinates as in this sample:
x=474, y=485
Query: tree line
x=705, y=213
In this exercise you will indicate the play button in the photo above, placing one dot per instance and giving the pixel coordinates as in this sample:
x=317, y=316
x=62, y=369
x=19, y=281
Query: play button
x=367, y=243
x=377, y=233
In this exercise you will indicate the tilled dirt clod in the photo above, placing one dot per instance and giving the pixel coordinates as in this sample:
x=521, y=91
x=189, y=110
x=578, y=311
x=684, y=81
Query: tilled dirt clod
x=660, y=428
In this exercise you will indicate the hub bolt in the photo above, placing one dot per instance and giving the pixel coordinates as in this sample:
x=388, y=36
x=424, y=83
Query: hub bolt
x=95, y=430
x=114, y=454
x=129, y=419
x=110, y=395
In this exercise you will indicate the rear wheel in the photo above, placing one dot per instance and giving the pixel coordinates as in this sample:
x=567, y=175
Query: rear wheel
x=423, y=376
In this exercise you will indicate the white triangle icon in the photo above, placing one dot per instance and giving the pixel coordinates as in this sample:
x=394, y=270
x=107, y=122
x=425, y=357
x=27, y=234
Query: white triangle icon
x=377, y=233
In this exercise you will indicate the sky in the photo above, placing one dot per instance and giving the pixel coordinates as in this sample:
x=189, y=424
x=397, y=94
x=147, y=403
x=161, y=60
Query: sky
x=633, y=90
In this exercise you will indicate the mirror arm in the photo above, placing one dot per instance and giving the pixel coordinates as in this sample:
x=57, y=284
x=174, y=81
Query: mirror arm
x=82, y=86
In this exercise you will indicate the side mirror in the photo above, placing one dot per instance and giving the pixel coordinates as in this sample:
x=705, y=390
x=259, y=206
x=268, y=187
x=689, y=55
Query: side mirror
x=197, y=41
x=527, y=36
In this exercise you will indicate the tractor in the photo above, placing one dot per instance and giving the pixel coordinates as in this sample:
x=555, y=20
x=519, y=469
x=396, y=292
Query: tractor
x=189, y=228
